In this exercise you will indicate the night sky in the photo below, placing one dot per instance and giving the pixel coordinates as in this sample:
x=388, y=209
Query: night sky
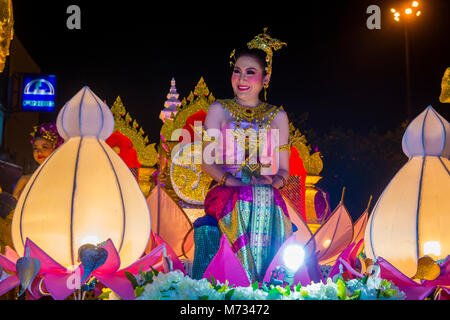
x=333, y=67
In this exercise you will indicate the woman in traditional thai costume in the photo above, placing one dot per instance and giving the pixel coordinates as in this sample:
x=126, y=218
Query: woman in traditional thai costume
x=250, y=162
x=45, y=139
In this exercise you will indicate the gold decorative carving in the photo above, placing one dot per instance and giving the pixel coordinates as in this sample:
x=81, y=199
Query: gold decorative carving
x=312, y=162
x=145, y=179
x=198, y=100
x=167, y=129
x=146, y=153
x=311, y=193
x=186, y=179
x=445, y=87
x=6, y=30
x=313, y=165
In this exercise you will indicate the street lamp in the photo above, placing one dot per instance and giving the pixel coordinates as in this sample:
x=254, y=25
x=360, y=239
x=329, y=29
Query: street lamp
x=410, y=10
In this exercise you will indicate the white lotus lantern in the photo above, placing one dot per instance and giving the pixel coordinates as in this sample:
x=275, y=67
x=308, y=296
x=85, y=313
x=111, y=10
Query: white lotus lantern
x=412, y=216
x=83, y=192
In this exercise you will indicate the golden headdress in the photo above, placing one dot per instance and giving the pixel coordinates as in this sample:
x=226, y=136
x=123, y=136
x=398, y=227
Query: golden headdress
x=265, y=43
x=49, y=132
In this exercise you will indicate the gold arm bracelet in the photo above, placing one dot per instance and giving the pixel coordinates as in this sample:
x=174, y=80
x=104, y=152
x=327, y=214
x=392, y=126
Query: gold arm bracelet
x=284, y=147
x=224, y=179
x=283, y=179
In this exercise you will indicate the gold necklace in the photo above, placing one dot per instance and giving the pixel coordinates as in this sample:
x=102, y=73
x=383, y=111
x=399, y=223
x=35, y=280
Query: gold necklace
x=255, y=114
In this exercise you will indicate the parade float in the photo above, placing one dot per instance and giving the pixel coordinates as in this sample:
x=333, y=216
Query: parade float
x=109, y=215
x=122, y=209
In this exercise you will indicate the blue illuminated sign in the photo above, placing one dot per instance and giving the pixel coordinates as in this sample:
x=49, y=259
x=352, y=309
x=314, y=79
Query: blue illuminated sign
x=38, y=92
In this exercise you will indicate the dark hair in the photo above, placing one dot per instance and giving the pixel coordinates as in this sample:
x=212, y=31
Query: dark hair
x=258, y=54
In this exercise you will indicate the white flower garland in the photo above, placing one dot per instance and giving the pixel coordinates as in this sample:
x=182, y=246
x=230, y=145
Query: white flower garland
x=175, y=286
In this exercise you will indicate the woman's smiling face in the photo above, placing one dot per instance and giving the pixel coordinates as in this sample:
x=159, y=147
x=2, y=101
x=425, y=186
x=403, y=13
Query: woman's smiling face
x=41, y=149
x=247, y=79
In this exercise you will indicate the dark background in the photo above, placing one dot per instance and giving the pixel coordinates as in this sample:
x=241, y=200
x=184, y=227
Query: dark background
x=342, y=84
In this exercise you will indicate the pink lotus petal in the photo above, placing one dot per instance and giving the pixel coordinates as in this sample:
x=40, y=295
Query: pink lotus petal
x=112, y=263
x=301, y=275
x=345, y=267
x=352, y=271
x=226, y=266
x=360, y=226
x=62, y=284
x=349, y=256
x=33, y=292
x=119, y=284
x=445, y=266
x=413, y=290
x=334, y=235
x=389, y=272
x=146, y=262
x=8, y=284
x=159, y=267
x=7, y=264
x=177, y=264
x=344, y=256
x=47, y=263
x=11, y=255
x=445, y=294
x=354, y=253
x=415, y=293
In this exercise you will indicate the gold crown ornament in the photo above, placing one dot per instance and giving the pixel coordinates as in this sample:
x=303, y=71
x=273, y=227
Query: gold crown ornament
x=266, y=43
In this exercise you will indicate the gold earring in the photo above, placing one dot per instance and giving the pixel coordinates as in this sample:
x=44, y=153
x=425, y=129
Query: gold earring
x=266, y=85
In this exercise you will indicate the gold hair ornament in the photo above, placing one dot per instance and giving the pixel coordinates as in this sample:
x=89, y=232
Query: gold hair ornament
x=48, y=132
x=266, y=43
